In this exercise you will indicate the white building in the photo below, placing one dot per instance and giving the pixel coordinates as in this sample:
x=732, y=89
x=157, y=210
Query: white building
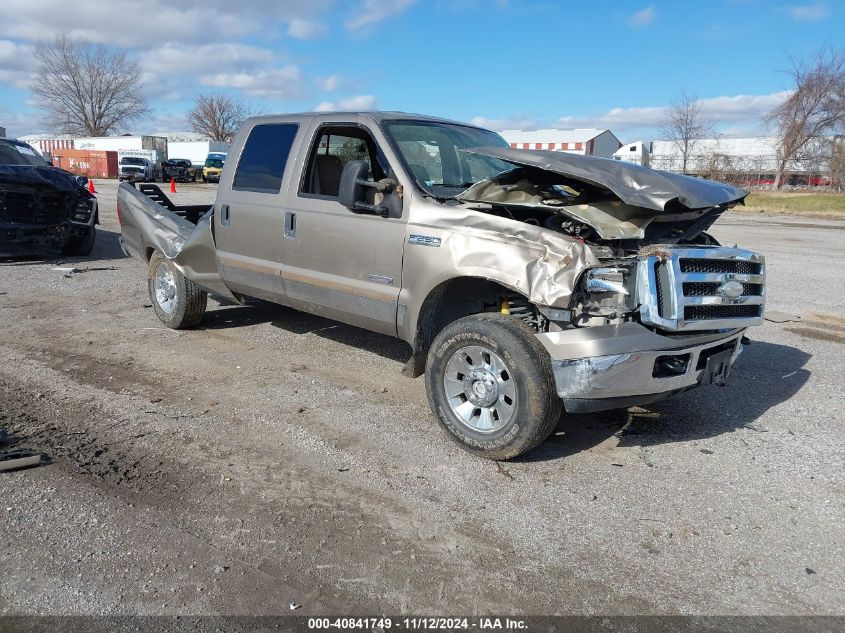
x=756, y=155
x=637, y=152
x=121, y=143
x=46, y=143
x=586, y=141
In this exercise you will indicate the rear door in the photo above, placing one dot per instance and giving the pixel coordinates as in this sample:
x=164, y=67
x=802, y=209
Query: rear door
x=344, y=265
x=249, y=211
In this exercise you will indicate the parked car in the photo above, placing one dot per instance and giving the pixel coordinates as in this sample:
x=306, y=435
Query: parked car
x=43, y=209
x=213, y=167
x=525, y=282
x=137, y=169
x=179, y=169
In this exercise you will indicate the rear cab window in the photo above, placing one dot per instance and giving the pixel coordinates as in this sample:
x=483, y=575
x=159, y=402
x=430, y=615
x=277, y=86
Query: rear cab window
x=262, y=162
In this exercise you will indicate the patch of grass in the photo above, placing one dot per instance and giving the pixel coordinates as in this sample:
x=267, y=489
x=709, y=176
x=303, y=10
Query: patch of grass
x=815, y=205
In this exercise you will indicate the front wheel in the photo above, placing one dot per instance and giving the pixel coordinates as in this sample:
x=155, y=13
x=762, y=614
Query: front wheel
x=178, y=302
x=490, y=384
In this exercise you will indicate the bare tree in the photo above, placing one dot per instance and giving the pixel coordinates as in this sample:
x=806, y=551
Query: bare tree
x=815, y=107
x=685, y=125
x=837, y=163
x=85, y=89
x=218, y=116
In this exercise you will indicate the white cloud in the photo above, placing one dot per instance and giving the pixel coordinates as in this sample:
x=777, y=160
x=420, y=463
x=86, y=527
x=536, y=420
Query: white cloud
x=170, y=121
x=329, y=83
x=16, y=64
x=267, y=83
x=735, y=114
x=517, y=122
x=306, y=29
x=642, y=18
x=126, y=24
x=21, y=123
x=726, y=109
x=371, y=12
x=807, y=12
x=361, y=102
x=118, y=23
x=198, y=58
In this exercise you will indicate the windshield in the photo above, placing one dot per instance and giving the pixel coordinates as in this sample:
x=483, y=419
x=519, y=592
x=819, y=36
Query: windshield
x=132, y=161
x=20, y=154
x=432, y=152
x=213, y=162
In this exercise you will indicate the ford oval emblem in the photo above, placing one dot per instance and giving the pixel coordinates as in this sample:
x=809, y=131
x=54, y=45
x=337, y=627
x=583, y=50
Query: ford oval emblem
x=731, y=289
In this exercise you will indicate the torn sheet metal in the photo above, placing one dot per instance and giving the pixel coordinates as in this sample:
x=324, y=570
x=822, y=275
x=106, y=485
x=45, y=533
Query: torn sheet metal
x=633, y=184
x=541, y=264
x=190, y=246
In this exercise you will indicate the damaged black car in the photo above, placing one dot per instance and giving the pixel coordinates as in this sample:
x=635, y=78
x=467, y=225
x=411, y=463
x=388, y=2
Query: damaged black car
x=43, y=210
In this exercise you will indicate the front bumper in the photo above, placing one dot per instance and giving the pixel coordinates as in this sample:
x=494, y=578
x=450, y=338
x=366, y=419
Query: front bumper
x=19, y=241
x=212, y=176
x=609, y=367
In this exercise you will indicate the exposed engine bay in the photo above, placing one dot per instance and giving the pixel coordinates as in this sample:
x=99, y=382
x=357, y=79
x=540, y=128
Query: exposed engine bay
x=622, y=229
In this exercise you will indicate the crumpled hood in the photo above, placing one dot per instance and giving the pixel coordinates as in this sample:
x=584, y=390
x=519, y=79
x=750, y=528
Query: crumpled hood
x=51, y=177
x=634, y=185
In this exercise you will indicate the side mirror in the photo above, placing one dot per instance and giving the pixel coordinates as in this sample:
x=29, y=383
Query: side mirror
x=353, y=185
x=81, y=180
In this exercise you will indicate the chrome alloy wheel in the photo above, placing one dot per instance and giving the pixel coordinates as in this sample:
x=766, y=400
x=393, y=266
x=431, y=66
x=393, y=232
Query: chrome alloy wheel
x=480, y=389
x=165, y=288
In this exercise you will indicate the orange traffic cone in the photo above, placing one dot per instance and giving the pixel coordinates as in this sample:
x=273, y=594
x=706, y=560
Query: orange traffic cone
x=91, y=186
x=172, y=185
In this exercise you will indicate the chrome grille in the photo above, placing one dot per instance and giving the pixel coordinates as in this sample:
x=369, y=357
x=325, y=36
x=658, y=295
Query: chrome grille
x=735, y=266
x=704, y=288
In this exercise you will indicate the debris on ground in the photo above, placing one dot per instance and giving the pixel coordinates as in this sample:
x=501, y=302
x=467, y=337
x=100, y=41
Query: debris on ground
x=294, y=606
x=14, y=460
x=780, y=317
x=503, y=471
x=69, y=271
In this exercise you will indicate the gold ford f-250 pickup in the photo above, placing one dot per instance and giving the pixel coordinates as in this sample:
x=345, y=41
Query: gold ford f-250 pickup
x=525, y=282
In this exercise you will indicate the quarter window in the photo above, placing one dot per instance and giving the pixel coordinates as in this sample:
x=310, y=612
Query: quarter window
x=263, y=160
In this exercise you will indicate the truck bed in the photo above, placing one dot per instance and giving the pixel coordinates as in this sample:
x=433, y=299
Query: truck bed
x=149, y=221
x=191, y=212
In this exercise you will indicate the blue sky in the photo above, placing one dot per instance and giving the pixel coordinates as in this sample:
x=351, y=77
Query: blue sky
x=500, y=63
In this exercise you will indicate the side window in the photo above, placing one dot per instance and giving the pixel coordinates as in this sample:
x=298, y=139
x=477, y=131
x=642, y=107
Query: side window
x=263, y=160
x=336, y=146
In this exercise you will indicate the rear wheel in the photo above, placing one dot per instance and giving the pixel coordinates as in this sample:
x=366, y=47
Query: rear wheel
x=178, y=302
x=490, y=384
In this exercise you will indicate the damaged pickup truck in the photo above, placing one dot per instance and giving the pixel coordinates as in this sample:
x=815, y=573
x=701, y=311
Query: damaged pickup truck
x=43, y=210
x=525, y=282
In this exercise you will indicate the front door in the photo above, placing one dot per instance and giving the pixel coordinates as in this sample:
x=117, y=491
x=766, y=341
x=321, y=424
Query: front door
x=343, y=265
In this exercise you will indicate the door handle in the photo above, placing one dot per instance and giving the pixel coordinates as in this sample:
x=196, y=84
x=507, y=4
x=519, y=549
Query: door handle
x=290, y=224
x=224, y=215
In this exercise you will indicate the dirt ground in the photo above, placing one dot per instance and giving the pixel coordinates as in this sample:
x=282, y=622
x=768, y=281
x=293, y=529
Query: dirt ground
x=271, y=459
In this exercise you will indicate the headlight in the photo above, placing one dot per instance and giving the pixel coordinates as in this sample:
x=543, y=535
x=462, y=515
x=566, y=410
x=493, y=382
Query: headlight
x=606, y=280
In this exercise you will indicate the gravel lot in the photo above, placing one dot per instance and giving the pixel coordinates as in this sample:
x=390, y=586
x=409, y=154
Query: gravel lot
x=270, y=457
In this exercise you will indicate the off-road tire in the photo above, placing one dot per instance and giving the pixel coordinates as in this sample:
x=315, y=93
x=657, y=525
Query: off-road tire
x=538, y=407
x=82, y=246
x=190, y=299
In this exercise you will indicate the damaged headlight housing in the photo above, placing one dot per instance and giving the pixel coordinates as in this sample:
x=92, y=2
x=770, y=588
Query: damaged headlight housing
x=82, y=211
x=606, y=280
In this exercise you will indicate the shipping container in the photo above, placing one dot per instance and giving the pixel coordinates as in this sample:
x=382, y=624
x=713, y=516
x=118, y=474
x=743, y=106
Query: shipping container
x=84, y=162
